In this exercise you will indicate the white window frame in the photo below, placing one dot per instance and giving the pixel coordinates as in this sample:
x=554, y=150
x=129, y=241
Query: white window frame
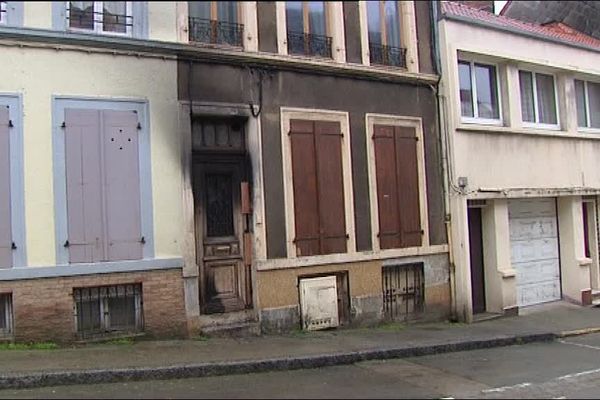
x=536, y=124
x=475, y=119
x=286, y=114
x=395, y=120
x=3, y=12
x=8, y=315
x=588, y=118
x=98, y=24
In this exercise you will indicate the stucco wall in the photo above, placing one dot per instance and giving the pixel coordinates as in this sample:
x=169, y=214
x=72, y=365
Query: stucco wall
x=38, y=74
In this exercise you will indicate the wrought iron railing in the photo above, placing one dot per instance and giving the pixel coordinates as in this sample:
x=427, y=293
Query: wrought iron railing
x=216, y=32
x=387, y=55
x=90, y=20
x=105, y=310
x=309, y=44
x=403, y=291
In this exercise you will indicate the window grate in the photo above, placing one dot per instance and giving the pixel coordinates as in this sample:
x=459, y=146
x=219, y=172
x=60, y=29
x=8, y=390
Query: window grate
x=403, y=291
x=216, y=32
x=309, y=44
x=387, y=55
x=106, y=310
x=6, y=315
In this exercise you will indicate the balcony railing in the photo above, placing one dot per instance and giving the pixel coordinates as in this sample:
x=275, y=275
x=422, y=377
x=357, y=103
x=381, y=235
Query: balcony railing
x=216, y=32
x=309, y=44
x=387, y=55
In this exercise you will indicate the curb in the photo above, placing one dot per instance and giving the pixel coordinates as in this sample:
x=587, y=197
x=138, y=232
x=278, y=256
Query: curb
x=77, y=377
x=578, y=332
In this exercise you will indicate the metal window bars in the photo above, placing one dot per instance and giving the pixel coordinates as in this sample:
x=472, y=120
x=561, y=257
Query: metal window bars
x=106, y=310
x=6, y=315
x=216, y=32
x=403, y=291
x=387, y=55
x=102, y=21
x=309, y=44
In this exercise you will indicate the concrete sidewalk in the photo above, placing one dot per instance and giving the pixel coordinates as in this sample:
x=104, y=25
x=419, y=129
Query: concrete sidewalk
x=194, y=358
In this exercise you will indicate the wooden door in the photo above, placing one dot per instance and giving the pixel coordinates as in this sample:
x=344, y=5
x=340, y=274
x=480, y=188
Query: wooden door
x=219, y=236
x=476, y=255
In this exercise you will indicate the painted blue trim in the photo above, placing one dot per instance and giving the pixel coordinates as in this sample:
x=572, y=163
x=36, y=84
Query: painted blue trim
x=59, y=104
x=14, y=15
x=56, y=271
x=17, y=185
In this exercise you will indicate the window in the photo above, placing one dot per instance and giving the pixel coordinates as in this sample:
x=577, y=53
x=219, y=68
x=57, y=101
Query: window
x=318, y=187
x=383, y=20
x=216, y=22
x=3, y=12
x=538, y=98
x=108, y=309
x=102, y=185
x=306, y=23
x=6, y=315
x=588, y=104
x=109, y=17
x=478, y=91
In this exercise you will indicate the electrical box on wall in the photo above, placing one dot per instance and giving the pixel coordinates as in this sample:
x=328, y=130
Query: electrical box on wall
x=318, y=302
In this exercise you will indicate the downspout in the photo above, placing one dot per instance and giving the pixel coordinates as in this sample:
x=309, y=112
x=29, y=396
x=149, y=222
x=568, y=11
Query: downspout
x=442, y=128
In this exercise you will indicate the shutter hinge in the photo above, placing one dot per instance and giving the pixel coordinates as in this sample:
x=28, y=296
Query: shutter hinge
x=143, y=240
x=13, y=246
x=67, y=244
x=10, y=123
x=63, y=125
x=139, y=126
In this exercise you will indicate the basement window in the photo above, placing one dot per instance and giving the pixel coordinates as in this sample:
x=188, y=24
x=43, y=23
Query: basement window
x=6, y=315
x=108, y=310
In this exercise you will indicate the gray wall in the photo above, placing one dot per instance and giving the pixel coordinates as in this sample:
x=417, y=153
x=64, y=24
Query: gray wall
x=222, y=83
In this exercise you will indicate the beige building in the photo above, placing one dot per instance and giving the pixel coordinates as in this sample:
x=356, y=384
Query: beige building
x=521, y=105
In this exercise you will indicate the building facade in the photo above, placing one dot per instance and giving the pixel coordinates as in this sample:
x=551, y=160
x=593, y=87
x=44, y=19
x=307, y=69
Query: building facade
x=522, y=119
x=178, y=167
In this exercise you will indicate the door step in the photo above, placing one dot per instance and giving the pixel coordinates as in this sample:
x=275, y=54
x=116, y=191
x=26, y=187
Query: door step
x=486, y=316
x=234, y=324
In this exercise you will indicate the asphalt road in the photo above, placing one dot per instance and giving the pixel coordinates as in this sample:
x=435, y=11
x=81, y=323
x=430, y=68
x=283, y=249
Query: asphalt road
x=569, y=368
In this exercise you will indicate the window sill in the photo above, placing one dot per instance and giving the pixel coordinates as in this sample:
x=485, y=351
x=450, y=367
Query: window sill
x=97, y=33
x=550, y=127
x=525, y=131
x=588, y=131
x=363, y=256
x=10, y=274
x=481, y=121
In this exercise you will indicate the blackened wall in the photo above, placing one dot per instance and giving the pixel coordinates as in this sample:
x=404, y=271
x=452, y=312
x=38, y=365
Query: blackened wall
x=352, y=32
x=230, y=84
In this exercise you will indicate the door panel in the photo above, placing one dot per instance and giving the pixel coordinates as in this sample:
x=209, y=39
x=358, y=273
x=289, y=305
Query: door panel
x=219, y=236
x=476, y=256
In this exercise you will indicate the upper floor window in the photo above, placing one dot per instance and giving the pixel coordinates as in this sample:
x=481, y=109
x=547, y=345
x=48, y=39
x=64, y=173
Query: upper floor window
x=538, y=98
x=383, y=19
x=216, y=22
x=112, y=17
x=478, y=91
x=588, y=104
x=306, y=23
x=3, y=12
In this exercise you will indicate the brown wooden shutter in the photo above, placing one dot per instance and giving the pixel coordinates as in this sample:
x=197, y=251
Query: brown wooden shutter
x=397, y=186
x=384, y=142
x=306, y=202
x=332, y=213
x=122, y=185
x=84, y=189
x=6, y=259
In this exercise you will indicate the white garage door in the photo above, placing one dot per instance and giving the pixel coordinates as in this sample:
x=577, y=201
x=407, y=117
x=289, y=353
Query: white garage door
x=534, y=250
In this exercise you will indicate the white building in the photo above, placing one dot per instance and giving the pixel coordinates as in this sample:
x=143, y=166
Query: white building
x=521, y=105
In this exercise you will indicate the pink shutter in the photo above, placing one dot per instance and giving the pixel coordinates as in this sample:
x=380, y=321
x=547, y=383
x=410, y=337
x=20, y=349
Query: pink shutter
x=122, y=185
x=5, y=209
x=84, y=199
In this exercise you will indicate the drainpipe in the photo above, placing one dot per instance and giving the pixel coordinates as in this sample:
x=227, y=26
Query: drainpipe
x=443, y=132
